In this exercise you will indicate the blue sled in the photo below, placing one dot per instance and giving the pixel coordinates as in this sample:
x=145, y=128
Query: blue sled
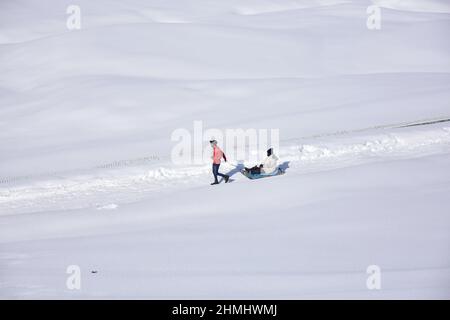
x=277, y=172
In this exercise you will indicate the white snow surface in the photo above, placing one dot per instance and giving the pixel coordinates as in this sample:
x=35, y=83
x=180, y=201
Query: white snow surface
x=86, y=176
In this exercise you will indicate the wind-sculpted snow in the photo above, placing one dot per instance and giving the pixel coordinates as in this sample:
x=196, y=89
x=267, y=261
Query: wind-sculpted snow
x=439, y=6
x=267, y=7
x=124, y=82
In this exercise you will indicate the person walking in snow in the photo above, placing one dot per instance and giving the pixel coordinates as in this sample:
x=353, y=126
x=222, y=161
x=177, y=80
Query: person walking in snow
x=216, y=158
x=268, y=166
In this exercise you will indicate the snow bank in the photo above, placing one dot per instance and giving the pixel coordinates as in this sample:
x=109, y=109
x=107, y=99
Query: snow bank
x=131, y=183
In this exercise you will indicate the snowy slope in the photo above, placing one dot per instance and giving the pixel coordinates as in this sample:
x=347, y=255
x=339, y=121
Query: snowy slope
x=86, y=176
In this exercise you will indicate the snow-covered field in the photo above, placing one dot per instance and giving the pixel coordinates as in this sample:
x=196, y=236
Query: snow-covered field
x=87, y=178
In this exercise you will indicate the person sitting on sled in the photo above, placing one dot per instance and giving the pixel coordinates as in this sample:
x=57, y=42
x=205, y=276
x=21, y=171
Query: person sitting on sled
x=268, y=166
x=216, y=158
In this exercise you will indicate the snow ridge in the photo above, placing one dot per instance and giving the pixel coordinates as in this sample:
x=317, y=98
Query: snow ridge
x=131, y=184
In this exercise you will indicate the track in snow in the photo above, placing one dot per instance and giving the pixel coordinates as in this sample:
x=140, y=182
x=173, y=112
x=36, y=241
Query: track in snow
x=149, y=160
x=129, y=181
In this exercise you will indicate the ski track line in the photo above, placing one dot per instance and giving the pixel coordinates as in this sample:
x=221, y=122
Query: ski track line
x=106, y=189
x=58, y=174
x=423, y=122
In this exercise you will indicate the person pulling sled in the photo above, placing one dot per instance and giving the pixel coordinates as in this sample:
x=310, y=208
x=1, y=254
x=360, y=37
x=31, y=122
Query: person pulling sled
x=216, y=158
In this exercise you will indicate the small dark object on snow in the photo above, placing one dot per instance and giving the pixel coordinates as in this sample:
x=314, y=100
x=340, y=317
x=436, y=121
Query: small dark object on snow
x=94, y=271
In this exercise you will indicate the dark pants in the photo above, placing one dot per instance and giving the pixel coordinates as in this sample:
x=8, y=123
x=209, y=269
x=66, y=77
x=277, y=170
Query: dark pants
x=215, y=169
x=254, y=170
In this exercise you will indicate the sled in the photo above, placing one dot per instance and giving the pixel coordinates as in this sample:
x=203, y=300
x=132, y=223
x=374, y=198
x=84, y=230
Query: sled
x=251, y=176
